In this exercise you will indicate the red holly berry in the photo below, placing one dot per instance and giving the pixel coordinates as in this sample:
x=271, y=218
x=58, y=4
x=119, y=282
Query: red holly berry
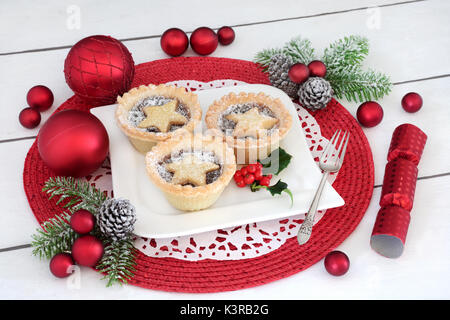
x=259, y=165
x=244, y=171
x=238, y=176
x=241, y=184
x=251, y=168
x=265, y=181
x=249, y=178
x=269, y=176
x=258, y=174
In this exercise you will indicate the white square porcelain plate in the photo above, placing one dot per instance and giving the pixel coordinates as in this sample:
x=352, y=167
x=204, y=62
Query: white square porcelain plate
x=156, y=218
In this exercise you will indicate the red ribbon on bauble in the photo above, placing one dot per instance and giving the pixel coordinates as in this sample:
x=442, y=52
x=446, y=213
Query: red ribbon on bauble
x=98, y=69
x=73, y=143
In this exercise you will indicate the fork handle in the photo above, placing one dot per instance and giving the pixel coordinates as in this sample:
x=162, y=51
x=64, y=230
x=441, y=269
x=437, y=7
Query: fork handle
x=304, y=233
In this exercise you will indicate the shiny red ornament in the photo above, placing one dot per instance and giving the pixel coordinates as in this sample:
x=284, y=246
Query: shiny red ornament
x=82, y=221
x=298, y=73
x=87, y=250
x=226, y=35
x=337, y=263
x=40, y=98
x=369, y=114
x=317, y=69
x=412, y=102
x=98, y=69
x=73, y=143
x=29, y=118
x=61, y=265
x=204, y=41
x=174, y=42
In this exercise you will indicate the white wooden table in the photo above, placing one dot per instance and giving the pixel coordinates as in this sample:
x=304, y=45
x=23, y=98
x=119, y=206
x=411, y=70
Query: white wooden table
x=410, y=41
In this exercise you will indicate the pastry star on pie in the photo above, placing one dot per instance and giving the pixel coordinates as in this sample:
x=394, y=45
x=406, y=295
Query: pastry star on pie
x=251, y=123
x=162, y=117
x=190, y=170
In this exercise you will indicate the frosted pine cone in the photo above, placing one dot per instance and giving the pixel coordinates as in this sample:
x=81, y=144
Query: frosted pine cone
x=278, y=74
x=116, y=218
x=315, y=93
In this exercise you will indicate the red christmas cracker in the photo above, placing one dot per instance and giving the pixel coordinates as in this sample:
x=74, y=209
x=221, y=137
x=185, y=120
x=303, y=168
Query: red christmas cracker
x=399, y=184
x=397, y=195
x=389, y=232
x=407, y=142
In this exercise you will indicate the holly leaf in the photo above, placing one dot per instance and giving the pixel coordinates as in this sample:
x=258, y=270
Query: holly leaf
x=277, y=188
x=276, y=162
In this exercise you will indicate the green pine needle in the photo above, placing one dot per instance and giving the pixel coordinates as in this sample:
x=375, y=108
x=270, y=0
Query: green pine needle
x=118, y=261
x=344, y=53
x=56, y=236
x=78, y=194
x=263, y=57
x=300, y=50
x=360, y=86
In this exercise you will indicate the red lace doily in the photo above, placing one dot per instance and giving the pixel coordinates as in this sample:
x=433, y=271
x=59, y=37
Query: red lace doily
x=354, y=183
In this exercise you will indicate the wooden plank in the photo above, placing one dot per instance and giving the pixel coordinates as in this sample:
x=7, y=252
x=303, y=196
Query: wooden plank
x=371, y=276
x=63, y=23
x=425, y=40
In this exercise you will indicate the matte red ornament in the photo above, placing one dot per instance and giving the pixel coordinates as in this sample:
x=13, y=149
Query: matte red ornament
x=412, y=102
x=29, y=118
x=40, y=98
x=369, y=114
x=204, y=41
x=298, y=73
x=226, y=35
x=61, y=265
x=174, y=42
x=98, y=69
x=337, y=263
x=73, y=143
x=87, y=250
x=317, y=69
x=82, y=221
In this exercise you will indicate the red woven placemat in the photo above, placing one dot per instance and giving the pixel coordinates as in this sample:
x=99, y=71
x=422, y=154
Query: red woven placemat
x=354, y=183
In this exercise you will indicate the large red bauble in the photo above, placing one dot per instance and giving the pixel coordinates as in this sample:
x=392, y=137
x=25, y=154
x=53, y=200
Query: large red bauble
x=298, y=73
x=204, y=40
x=40, y=98
x=317, y=69
x=29, y=118
x=412, y=102
x=98, y=69
x=73, y=143
x=226, y=35
x=61, y=265
x=174, y=42
x=82, y=221
x=337, y=263
x=369, y=114
x=87, y=250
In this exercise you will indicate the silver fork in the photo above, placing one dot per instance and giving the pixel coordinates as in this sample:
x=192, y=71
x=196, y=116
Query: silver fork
x=330, y=161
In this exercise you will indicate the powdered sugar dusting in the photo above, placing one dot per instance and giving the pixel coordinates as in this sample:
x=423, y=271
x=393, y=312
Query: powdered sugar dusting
x=199, y=155
x=136, y=114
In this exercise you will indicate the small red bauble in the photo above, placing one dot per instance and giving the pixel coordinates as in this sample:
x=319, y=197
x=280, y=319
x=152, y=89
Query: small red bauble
x=82, y=221
x=87, y=250
x=73, y=143
x=40, y=98
x=174, y=42
x=337, y=263
x=29, y=118
x=317, y=69
x=412, y=102
x=61, y=265
x=204, y=40
x=369, y=114
x=226, y=35
x=98, y=69
x=298, y=73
